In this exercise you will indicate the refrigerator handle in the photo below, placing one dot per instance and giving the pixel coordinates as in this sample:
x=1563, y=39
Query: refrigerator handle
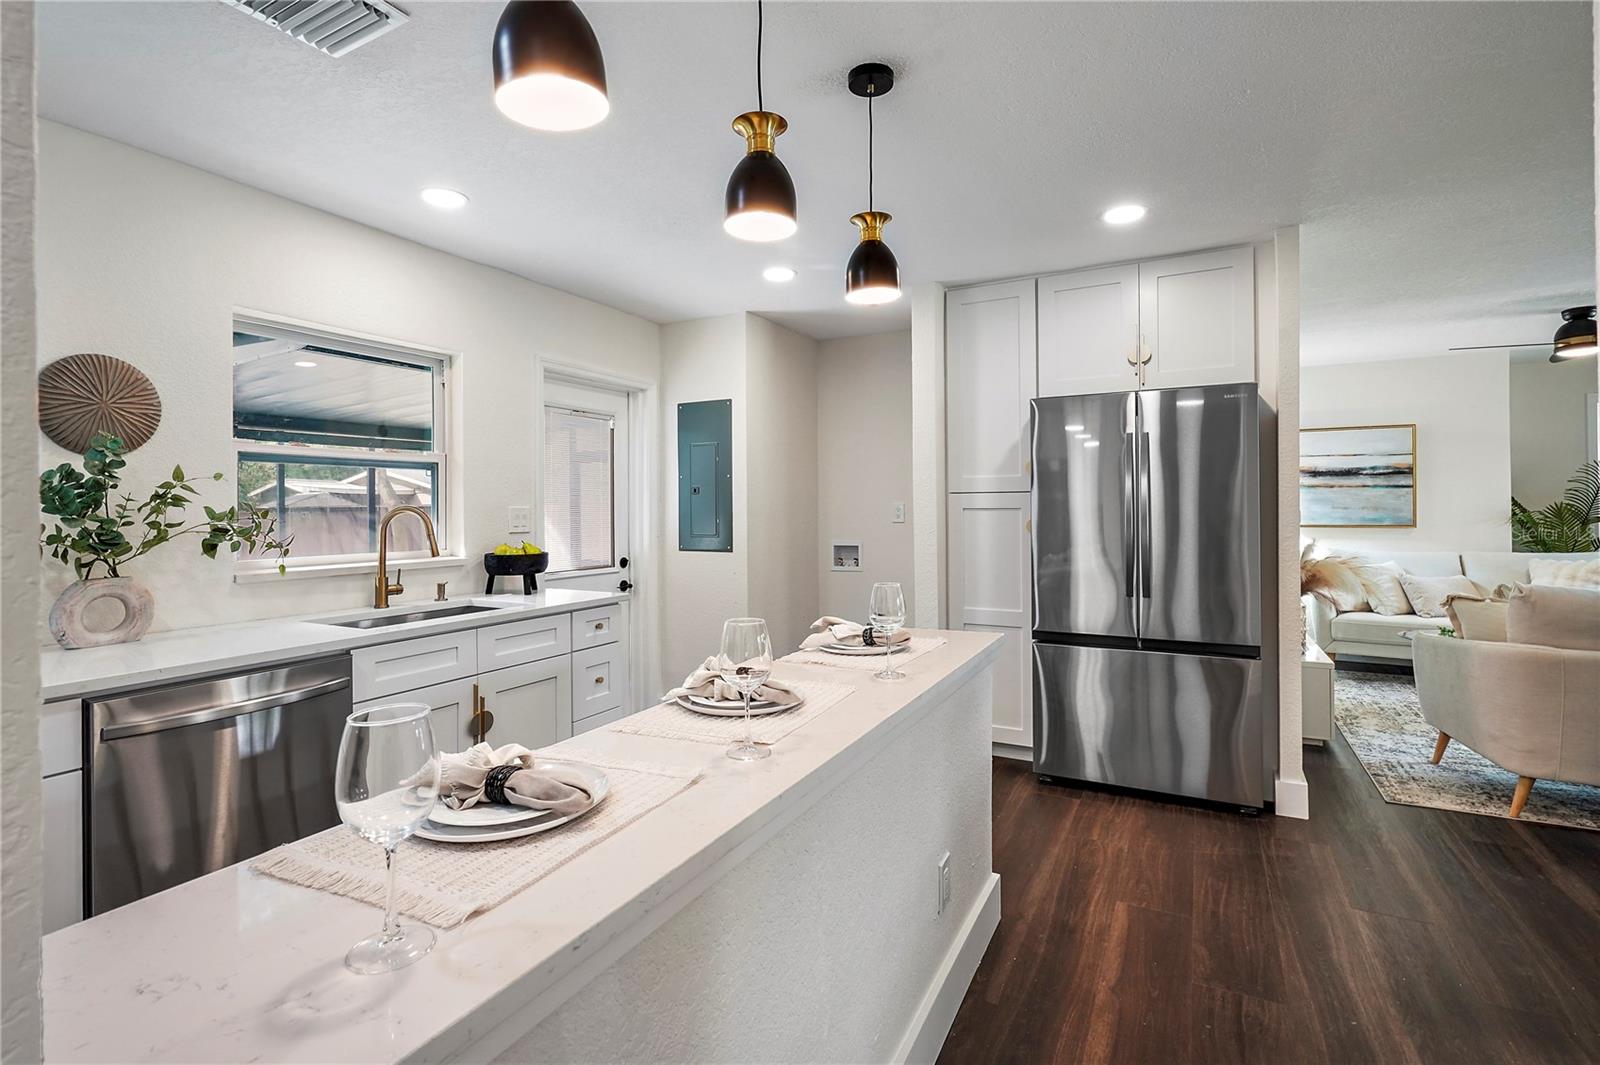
x=1130, y=462
x=1144, y=514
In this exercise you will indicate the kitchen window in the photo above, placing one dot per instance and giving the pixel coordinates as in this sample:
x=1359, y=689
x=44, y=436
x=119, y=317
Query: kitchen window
x=333, y=433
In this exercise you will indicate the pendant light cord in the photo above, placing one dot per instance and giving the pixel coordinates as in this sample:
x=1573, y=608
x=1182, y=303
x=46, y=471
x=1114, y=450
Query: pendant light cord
x=870, y=169
x=760, y=103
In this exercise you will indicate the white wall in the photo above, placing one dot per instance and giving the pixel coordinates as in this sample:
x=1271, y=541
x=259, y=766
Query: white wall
x=147, y=259
x=20, y=814
x=864, y=467
x=1550, y=411
x=782, y=448
x=1460, y=405
x=701, y=360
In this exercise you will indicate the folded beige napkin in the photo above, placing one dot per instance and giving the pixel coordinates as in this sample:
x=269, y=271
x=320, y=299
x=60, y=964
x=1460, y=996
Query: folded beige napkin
x=829, y=629
x=707, y=683
x=465, y=780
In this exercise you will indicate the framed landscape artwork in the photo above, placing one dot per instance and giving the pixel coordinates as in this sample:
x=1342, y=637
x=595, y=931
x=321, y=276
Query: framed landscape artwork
x=1356, y=476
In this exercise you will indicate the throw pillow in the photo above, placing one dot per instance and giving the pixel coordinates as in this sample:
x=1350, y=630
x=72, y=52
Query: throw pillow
x=1554, y=617
x=1427, y=594
x=1384, y=592
x=1477, y=619
x=1565, y=573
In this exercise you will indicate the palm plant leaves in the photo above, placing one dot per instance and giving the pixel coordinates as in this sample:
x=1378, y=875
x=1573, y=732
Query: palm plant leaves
x=1568, y=524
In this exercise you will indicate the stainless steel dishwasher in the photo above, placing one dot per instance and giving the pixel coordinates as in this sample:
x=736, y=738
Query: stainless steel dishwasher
x=194, y=777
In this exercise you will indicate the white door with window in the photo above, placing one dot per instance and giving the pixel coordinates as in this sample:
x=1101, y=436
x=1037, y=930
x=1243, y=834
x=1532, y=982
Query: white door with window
x=586, y=487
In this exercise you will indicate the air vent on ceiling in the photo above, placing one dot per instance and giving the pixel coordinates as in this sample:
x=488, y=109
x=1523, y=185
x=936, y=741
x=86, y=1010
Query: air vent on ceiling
x=335, y=27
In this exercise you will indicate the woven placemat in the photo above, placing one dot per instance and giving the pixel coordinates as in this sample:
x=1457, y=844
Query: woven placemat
x=445, y=883
x=916, y=647
x=672, y=722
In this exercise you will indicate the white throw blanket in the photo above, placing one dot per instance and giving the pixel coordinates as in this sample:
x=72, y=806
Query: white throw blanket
x=463, y=777
x=829, y=629
x=707, y=683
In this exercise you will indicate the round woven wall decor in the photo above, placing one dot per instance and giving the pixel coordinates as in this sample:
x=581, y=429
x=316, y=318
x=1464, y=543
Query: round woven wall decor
x=80, y=395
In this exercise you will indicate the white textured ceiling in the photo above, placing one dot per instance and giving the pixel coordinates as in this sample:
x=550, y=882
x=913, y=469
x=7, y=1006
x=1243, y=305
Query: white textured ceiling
x=1438, y=155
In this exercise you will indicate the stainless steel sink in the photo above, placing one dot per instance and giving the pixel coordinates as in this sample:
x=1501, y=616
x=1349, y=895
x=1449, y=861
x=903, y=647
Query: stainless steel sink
x=407, y=617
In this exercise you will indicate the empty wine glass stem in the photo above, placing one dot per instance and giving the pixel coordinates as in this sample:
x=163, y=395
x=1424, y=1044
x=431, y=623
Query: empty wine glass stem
x=391, y=923
x=749, y=734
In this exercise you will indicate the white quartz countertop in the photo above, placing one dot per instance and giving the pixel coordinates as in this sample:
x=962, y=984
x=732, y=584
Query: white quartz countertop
x=184, y=653
x=236, y=966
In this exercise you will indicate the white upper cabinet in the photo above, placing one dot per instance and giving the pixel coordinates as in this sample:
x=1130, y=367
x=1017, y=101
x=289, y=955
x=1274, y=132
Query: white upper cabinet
x=991, y=374
x=1197, y=318
x=1089, y=331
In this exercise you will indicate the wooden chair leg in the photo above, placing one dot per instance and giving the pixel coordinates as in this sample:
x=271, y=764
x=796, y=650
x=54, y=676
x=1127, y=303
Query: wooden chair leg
x=1438, y=747
x=1520, y=798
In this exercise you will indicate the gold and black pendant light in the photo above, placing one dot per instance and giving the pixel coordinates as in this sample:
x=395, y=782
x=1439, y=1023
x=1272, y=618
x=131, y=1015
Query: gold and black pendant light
x=873, y=275
x=1576, y=336
x=548, y=71
x=760, y=197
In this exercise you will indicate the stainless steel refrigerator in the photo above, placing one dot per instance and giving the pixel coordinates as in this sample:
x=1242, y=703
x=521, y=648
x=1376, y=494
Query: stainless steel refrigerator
x=1147, y=605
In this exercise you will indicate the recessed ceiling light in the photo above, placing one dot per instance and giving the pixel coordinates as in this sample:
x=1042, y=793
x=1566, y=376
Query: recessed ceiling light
x=1122, y=214
x=778, y=273
x=444, y=199
x=304, y=364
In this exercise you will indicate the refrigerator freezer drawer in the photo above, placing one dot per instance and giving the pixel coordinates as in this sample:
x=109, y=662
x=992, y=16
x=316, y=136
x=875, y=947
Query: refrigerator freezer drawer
x=1171, y=723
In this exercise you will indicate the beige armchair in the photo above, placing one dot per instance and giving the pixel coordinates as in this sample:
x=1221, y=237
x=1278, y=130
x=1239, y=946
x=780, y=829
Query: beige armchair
x=1530, y=709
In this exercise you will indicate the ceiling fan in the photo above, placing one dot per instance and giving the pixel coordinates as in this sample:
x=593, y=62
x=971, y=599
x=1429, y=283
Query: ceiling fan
x=1574, y=339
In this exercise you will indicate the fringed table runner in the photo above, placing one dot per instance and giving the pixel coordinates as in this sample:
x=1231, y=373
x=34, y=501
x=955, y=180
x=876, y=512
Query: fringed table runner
x=916, y=647
x=445, y=883
x=672, y=722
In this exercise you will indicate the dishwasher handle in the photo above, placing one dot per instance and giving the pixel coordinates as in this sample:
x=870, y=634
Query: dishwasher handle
x=220, y=713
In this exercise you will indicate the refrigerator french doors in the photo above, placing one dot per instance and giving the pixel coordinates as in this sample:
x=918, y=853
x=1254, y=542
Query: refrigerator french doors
x=1147, y=590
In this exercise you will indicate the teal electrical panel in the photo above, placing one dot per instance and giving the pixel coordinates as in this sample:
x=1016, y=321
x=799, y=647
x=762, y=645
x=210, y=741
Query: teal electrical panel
x=705, y=475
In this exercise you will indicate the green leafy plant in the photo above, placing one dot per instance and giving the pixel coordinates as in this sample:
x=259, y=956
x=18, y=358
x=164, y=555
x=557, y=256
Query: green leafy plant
x=1568, y=524
x=94, y=525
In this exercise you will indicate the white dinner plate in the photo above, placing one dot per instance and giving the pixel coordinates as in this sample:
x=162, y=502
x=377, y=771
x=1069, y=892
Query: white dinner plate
x=714, y=709
x=594, y=782
x=727, y=704
x=852, y=649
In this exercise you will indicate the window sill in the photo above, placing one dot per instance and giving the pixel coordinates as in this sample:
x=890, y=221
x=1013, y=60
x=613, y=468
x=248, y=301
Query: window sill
x=257, y=573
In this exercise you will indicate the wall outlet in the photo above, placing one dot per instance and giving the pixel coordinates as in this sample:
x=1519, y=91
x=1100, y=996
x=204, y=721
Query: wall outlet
x=519, y=519
x=899, y=514
x=944, y=882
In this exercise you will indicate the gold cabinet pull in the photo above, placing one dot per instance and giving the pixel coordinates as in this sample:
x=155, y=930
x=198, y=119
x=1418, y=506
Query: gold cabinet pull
x=599, y=626
x=599, y=680
x=482, y=719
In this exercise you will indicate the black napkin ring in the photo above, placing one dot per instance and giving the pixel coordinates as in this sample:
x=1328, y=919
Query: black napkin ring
x=866, y=637
x=494, y=785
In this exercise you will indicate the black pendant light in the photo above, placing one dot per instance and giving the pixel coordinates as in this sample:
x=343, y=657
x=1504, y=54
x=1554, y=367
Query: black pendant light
x=548, y=71
x=1576, y=337
x=760, y=197
x=873, y=275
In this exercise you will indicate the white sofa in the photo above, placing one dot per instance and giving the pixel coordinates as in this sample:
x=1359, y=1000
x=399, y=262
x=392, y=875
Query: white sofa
x=1368, y=635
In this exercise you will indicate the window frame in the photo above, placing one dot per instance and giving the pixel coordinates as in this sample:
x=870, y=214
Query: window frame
x=439, y=363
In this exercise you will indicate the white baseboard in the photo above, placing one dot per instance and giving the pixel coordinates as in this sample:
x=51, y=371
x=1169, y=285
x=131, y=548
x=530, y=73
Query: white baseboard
x=1293, y=798
x=1011, y=750
x=925, y=1035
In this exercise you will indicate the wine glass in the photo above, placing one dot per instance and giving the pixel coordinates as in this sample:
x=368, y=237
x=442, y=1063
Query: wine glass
x=385, y=786
x=887, y=608
x=745, y=662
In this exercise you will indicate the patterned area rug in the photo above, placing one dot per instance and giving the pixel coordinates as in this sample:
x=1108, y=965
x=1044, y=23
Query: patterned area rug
x=1380, y=719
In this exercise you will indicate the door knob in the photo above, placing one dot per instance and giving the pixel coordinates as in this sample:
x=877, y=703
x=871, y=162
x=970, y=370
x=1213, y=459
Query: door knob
x=624, y=585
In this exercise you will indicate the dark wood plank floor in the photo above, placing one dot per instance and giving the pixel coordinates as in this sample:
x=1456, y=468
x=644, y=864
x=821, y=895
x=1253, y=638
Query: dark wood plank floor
x=1143, y=932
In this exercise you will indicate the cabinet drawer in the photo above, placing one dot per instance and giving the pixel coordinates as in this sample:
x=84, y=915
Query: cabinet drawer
x=592, y=628
x=399, y=667
x=589, y=724
x=523, y=641
x=599, y=680
x=61, y=736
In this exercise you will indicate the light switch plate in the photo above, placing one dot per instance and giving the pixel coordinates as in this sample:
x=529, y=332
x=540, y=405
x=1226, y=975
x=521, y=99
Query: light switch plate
x=519, y=519
x=899, y=514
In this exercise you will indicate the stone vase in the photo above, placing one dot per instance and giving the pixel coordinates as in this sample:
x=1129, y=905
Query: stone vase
x=70, y=616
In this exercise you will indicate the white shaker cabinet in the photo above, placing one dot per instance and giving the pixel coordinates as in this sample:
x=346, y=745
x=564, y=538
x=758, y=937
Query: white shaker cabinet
x=991, y=374
x=1197, y=318
x=451, y=704
x=529, y=704
x=991, y=590
x=1089, y=331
